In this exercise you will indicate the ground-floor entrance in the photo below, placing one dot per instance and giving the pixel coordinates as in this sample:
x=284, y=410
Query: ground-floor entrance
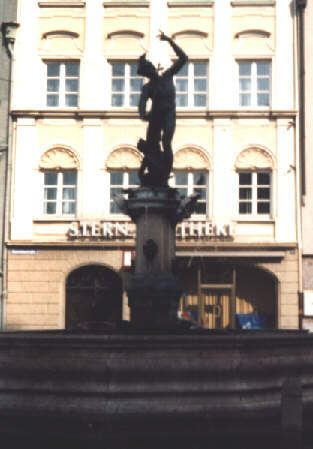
x=228, y=295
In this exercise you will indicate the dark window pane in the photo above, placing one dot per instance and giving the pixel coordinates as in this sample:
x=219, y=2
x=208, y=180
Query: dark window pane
x=53, y=69
x=245, y=68
x=181, y=178
x=181, y=100
x=71, y=100
x=200, y=85
x=181, y=85
x=133, y=69
x=200, y=208
x=118, y=85
x=263, y=84
x=200, y=69
x=116, y=178
x=200, y=100
x=52, y=100
x=134, y=100
x=245, y=208
x=182, y=192
x=245, y=194
x=69, y=193
x=263, y=178
x=202, y=193
x=69, y=178
x=133, y=179
x=71, y=69
x=263, y=208
x=245, y=99
x=263, y=193
x=263, y=68
x=71, y=85
x=135, y=84
x=183, y=71
x=199, y=178
x=118, y=69
x=69, y=208
x=263, y=99
x=51, y=179
x=50, y=194
x=53, y=85
x=50, y=208
x=117, y=100
x=244, y=84
x=245, y=178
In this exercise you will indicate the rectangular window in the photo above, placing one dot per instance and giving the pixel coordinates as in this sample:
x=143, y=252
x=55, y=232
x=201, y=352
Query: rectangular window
x=60, y=192
x=120, y=180
x=254, y=83
x=62, y=84
x=189, y=182
x=254, y=193
x=126, y=84
x=192, y=85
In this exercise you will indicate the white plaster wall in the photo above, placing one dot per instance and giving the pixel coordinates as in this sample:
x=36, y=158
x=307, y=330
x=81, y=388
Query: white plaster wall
x=307, y=210
x=283, y=63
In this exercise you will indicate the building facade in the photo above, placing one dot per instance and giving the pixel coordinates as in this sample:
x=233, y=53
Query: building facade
x=76, y=127
x=8, y=12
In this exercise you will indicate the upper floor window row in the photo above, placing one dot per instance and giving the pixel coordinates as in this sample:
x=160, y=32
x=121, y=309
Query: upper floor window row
x=192, y=84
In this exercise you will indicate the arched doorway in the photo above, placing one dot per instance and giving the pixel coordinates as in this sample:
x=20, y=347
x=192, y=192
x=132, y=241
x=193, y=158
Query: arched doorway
x=93, y=295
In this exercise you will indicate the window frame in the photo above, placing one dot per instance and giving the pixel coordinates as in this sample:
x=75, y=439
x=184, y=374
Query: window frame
x=127, y=86
x=191, y=187
x=254, y=80
x=59, y=200
x=62, y=92
x=190, y=79
x=254, y=200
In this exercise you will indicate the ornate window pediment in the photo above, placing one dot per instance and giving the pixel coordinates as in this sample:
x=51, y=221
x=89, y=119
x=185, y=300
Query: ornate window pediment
x=191, y=158
x=261, y=34
x=123, y=158
x=254, y=158
x=61, y=42
x=58, y=158
x=253, y=41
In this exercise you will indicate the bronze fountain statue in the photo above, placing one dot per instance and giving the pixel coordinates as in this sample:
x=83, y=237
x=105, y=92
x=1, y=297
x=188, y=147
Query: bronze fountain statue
x=157, y=162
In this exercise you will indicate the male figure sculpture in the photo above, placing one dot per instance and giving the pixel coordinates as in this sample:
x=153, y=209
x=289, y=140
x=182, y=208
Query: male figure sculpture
x=157, y=163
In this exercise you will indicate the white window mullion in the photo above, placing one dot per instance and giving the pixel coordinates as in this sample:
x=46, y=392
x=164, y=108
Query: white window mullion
x=127, y=85
x=190, y=84
x=59, y=194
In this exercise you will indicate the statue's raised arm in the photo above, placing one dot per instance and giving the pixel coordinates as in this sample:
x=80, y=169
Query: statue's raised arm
x=182, y=57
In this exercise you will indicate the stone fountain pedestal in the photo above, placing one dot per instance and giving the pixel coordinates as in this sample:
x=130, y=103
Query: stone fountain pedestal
x=154, y=292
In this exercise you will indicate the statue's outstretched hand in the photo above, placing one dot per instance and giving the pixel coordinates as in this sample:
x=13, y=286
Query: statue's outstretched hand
x=163, y=37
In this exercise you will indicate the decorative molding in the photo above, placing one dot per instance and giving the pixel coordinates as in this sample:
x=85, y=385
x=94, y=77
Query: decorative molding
x=58, y=158
x=125, y=157
x=191, y=158
x=190, y=33
x=60, y=33
x=61, y=4
x=125, y=33
x=253, y=34
x=254, y=158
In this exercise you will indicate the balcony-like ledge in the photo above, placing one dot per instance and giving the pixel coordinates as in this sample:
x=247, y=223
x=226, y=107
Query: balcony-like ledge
x=62, y=4
x=133, y=114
